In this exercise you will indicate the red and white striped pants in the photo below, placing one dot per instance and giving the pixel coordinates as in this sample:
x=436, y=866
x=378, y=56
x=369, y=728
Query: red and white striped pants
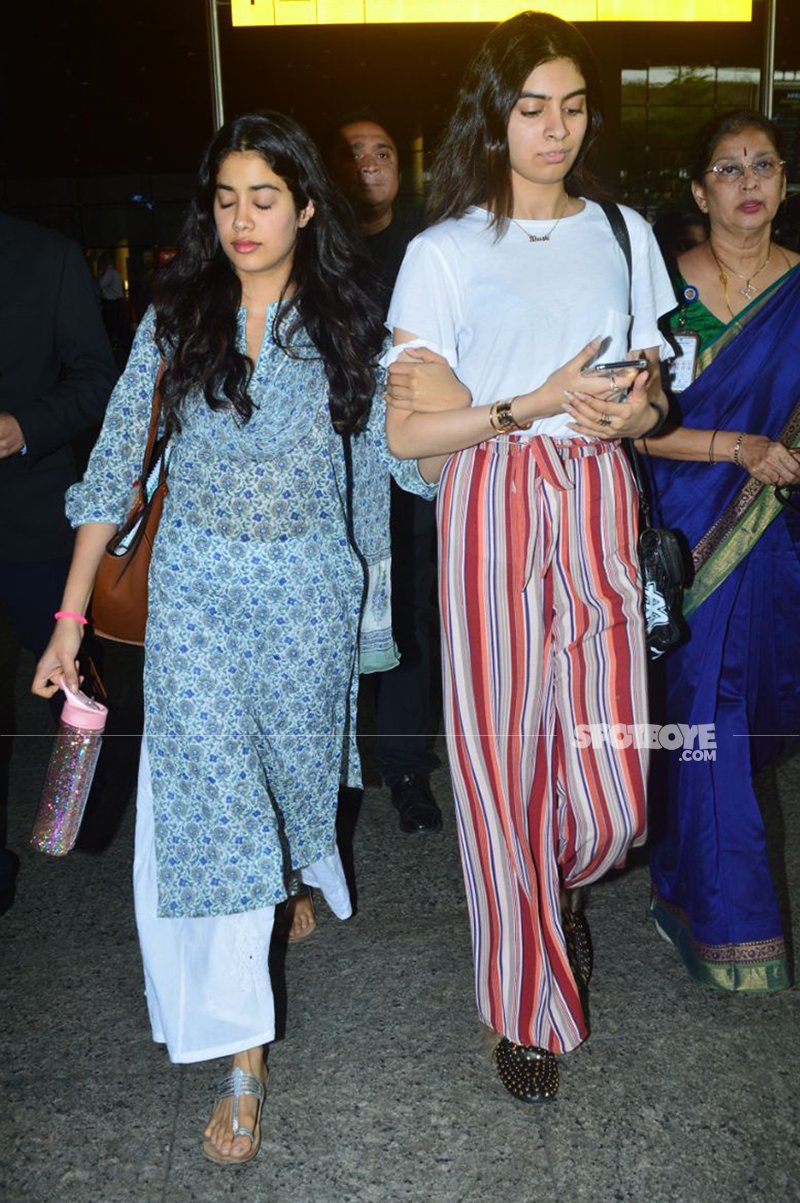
x=542, y=630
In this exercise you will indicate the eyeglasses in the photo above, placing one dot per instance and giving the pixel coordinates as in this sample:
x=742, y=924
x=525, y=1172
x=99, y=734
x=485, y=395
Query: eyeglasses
x=732, y=171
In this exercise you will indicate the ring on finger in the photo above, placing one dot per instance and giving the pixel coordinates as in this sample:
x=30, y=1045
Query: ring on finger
x=605, y=420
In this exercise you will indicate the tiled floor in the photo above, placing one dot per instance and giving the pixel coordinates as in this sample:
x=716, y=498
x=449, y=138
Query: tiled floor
x=380, y=1091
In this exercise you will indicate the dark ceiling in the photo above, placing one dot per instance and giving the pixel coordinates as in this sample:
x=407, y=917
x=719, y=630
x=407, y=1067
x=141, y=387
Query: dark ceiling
x=99, y=87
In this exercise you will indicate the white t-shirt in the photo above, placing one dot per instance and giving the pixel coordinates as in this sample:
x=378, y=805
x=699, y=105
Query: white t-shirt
x=507, y=313
x=110, y=283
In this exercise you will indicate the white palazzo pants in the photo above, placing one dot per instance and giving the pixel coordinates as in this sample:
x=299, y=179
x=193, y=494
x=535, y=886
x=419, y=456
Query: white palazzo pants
x=207, y=980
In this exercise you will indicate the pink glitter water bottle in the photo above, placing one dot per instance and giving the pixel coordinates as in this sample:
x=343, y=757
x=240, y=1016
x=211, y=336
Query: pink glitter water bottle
x=69, y=774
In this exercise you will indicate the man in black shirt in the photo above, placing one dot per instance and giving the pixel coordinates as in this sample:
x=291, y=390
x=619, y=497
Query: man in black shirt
x=363, y=159
x=364, y=163
x=56, y=374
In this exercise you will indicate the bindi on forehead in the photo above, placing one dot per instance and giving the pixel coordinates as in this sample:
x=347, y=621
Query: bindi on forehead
x=744, y=153
x=730, y=148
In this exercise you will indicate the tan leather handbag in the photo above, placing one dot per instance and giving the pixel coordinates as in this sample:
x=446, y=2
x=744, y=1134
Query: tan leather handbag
x=119, y=600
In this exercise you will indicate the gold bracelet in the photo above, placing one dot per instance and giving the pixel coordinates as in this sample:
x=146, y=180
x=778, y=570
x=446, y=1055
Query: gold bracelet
x=519, y=425
x=737, y=447
x=711, y=459
x=502, y=420
x=493, y=417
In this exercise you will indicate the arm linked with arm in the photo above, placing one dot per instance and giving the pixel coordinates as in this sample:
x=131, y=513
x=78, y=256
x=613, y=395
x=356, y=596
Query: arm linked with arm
x=414, y=430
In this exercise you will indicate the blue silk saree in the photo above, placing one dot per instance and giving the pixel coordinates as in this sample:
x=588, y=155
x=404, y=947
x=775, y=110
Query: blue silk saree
x=713, y=889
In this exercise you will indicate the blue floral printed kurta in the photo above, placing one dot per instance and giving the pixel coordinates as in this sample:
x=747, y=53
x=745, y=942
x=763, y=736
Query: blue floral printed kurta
x=251, y=647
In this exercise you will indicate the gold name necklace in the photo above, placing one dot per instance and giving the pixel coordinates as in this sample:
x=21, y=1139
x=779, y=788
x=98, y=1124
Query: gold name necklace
x=546, y=236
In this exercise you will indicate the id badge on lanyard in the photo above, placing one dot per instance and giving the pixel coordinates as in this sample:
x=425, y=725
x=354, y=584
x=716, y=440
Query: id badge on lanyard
x=682, y=369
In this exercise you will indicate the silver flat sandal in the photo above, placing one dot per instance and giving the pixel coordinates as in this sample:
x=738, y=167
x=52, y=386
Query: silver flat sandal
x=236, y=1085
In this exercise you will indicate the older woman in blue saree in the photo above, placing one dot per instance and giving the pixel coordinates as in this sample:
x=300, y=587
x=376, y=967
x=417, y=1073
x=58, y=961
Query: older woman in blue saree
x=714, y=478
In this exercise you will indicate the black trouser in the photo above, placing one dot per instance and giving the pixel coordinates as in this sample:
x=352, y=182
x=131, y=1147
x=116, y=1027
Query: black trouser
x=404, y=693
x=31, y=593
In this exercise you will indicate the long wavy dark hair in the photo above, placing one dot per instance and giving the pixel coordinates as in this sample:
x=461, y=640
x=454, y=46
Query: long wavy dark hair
x=733, y=121
x=472, y=164
x=328, y=310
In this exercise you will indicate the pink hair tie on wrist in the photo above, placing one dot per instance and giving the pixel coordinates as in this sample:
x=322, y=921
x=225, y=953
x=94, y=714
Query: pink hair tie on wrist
x=68, y=614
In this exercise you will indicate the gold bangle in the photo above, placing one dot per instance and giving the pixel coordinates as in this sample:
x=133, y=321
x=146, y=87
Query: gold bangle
x=502, y=420
x=493, y=417
x=519, y=425
x=711, y=459
x=737, y=447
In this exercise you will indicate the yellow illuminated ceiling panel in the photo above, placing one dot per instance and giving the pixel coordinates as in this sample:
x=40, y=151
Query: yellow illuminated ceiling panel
x=388, y=12
x=676, y=10
x=407, y=11
x=396, y=12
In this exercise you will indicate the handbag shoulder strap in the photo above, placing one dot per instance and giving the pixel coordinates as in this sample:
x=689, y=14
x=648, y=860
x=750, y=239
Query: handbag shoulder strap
x=152, y=433
x=347, y=448
x=619, y=228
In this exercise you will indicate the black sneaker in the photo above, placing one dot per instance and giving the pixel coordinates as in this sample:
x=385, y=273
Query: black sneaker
x=416, y=805
x=9, y=865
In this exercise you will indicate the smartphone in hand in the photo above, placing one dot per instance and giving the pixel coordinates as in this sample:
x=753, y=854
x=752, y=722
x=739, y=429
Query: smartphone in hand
x=609, y=368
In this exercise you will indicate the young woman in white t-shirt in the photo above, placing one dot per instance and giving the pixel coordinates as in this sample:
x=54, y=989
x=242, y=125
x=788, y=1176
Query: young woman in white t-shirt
x=517, y=284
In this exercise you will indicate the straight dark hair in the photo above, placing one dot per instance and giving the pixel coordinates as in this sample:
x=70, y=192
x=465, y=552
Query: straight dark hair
x=733, y=121
x=327, y=311
x=472, y=165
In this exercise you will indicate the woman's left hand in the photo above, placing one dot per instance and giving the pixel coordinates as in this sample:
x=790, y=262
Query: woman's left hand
x=628, y=419
x=423, y=382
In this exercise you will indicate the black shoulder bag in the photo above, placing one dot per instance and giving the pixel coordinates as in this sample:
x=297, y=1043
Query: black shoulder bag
x=661, y=557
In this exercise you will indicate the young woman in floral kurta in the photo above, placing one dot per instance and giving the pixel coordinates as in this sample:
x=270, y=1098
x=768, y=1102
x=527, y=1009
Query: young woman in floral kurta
x=269, y=338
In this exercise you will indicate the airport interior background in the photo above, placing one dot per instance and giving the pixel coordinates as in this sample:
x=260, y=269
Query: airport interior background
x=106, y=107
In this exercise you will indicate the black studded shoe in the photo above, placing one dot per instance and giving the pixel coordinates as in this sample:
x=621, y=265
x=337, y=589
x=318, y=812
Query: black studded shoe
x=579, y=945
x=527, y=1072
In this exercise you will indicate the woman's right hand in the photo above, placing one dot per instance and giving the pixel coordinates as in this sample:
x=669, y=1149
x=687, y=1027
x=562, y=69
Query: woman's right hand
x=59, y=659
x=769, y=461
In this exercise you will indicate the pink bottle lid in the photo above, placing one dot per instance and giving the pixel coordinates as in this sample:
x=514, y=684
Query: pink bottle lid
x=84, y=713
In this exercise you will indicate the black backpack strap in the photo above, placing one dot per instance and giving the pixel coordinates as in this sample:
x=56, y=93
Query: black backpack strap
x=620, y=230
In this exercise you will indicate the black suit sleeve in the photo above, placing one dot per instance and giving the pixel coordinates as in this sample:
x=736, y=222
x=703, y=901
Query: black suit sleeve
x=88, y=371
